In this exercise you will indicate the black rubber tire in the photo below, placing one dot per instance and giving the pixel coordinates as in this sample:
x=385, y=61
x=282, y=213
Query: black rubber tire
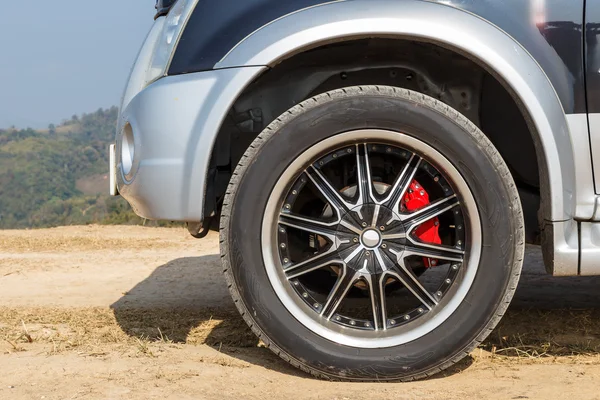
x=392, y=109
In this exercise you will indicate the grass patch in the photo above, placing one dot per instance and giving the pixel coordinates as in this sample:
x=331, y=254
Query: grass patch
x=546, y=334
x=66, y=329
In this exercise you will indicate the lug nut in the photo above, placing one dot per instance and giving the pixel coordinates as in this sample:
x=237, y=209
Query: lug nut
x=382, y=228
x=407, y=317
x=282, y=245
x=364, y=224
x=355, y=240
x=384, y=246
x=287, y=206
x=286, y=260
x=305, y=295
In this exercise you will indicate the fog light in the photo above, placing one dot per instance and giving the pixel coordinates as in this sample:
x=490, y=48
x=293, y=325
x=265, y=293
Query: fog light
x=127, y=149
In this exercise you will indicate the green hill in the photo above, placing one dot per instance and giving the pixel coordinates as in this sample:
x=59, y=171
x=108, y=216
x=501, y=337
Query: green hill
x=59, y=176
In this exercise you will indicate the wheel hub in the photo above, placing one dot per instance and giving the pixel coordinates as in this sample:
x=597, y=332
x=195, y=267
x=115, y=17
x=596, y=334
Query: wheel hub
x=368, y=235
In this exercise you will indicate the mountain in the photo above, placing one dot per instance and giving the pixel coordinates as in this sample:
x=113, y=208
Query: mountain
x=59, y=176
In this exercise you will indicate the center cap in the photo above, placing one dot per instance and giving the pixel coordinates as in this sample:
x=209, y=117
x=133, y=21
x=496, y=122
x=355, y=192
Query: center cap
x=370, y=238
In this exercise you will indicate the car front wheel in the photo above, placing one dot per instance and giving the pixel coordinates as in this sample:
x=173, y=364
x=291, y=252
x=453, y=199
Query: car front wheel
x=372, y=233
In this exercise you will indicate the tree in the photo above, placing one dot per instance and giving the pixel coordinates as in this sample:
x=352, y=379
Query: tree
x=52, y=129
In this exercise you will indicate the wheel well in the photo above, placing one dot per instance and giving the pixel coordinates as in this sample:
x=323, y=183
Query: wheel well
x=423, y=67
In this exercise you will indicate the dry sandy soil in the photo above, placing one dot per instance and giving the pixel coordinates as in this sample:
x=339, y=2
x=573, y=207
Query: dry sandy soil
x=140, y=313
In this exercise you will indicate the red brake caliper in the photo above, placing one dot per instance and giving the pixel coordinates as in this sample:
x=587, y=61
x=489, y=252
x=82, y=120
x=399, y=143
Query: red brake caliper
x=416, y=197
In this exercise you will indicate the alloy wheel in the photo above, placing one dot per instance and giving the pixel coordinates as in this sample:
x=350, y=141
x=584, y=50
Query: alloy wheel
x=356, y=228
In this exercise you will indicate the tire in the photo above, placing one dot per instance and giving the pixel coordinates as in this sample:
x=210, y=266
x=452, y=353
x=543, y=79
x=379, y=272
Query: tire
x=326, y=343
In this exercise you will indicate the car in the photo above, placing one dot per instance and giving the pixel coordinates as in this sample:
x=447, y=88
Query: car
x=374, y=168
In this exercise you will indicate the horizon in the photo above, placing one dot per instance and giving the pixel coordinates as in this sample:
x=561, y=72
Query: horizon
x=67, y=121
x=82, y=55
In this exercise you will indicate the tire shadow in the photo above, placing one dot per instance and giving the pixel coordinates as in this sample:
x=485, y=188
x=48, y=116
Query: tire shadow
x=187, y=301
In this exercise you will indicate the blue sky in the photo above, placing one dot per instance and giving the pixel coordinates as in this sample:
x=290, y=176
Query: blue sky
x=59, y=58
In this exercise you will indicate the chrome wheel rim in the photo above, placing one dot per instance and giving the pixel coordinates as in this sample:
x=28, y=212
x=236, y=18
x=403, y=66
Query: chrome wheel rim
x=366, y=239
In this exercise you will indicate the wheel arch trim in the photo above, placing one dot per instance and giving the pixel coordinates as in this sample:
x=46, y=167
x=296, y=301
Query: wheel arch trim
x=449, y=27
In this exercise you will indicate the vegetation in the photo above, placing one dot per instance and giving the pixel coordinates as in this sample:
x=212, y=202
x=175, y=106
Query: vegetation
x=59, y=176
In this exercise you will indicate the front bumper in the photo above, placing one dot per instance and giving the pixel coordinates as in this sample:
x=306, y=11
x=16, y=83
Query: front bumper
x=175, y=122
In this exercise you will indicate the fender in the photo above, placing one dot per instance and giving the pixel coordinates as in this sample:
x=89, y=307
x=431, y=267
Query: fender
x=449, y=27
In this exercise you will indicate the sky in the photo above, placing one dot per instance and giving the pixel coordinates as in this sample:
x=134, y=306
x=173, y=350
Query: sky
x=59, y=58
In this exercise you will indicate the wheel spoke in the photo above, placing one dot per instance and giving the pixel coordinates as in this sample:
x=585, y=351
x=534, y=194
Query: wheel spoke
x=377, y=290
x=431, y=211
x=309, y=225
x=394, y=236
x=375, y=215
x=411, y=282
x=320, y=261
x=350, y=227
x=356, y=251
x=364, y=179
x=339, y=291
x=437, y=251
x=331, y=195
x=398, y=190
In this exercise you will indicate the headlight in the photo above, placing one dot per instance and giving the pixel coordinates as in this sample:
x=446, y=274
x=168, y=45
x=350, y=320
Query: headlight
x=171, y=32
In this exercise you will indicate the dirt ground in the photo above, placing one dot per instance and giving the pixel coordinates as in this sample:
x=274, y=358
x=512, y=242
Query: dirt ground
x=143, y=313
